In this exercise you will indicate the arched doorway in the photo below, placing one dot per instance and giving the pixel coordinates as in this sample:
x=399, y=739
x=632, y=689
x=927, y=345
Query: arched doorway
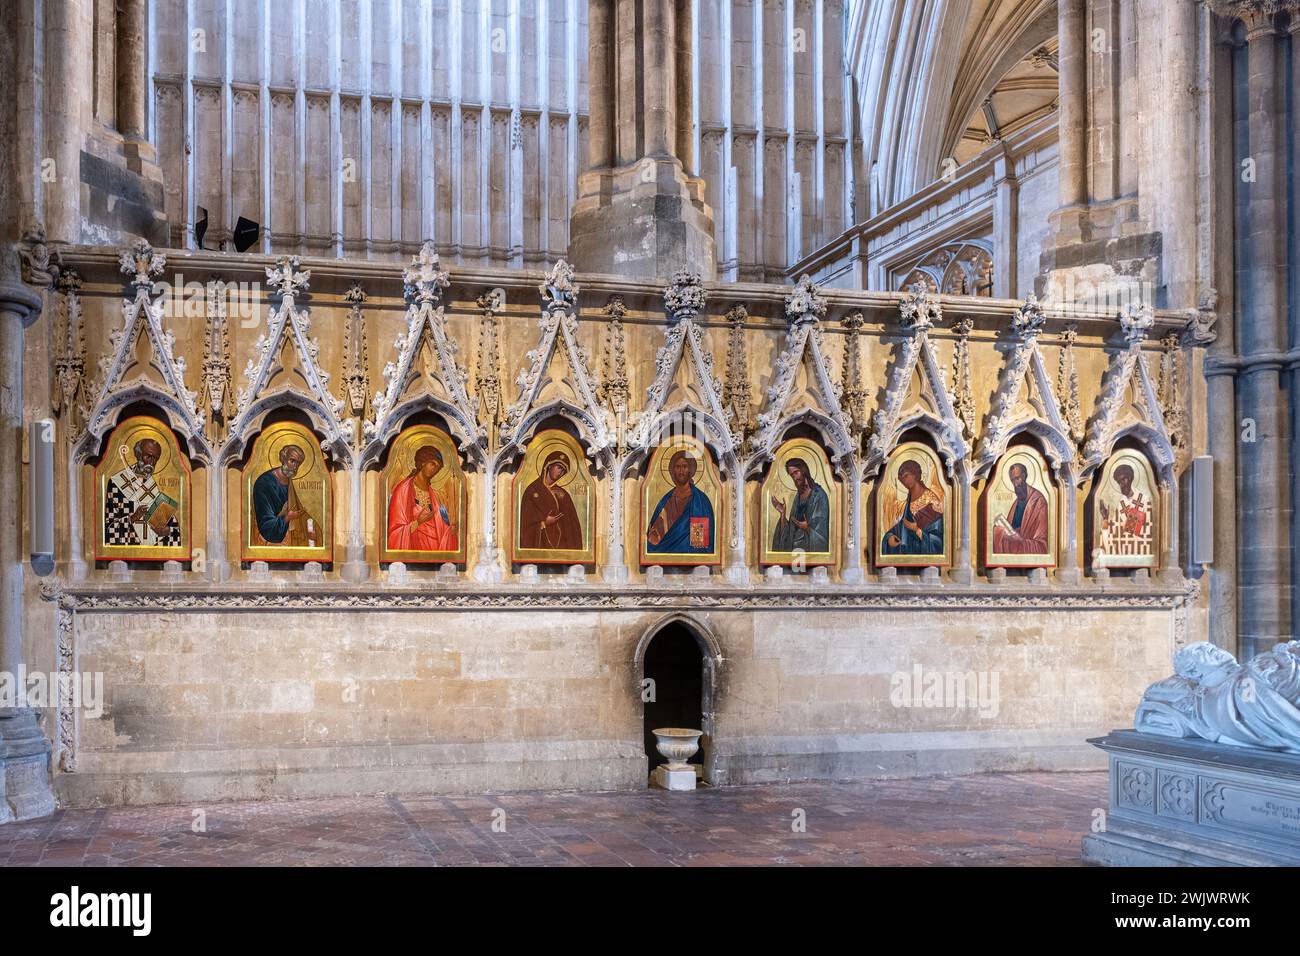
x=676, y=687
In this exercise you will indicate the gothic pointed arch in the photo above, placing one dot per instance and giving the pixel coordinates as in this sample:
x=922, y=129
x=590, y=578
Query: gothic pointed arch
x=803, y=390
x=1024, y=400
x=685, y=388
x=1128, y=404
x=916, y=395
x=285, y=372
x=141, y=364
x=558, y=379
x=426, y=375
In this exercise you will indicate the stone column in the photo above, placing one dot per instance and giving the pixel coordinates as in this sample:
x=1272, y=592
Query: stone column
x=68, y=52
x=600, y=82
x=131, y=28
x=1072, y=124
x=24, y=752
x=685, y=84
x=963, y=570
x=1293, y=230
x=640, y=211
x=851, y=572
x=1264, y=559
x=1068, y=572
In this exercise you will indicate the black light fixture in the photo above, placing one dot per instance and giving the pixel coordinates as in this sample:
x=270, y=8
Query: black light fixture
x=246, y=232
x=201, y=226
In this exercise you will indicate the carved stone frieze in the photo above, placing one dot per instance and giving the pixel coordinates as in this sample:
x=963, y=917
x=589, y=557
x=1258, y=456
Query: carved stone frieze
x=596, y=596
x=736, y=394
x=356, y=374
x=853, y=393
x=69, y=352
x=487, y=384
x=1068, y=383
x=614, y=389
x=217, y=391
x=963, y=395
x=1173, y=398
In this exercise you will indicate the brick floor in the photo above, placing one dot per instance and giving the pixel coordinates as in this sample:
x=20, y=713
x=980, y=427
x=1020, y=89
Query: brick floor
x=1023, y=819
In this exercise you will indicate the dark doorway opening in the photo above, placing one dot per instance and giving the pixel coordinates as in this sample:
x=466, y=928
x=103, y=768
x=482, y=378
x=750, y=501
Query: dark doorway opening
x=674, y=661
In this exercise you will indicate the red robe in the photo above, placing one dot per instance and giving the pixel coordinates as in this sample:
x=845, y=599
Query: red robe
x=435, y=534
x=1033, y=528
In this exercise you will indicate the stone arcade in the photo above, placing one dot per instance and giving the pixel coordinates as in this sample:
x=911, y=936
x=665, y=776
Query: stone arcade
x=932, y=318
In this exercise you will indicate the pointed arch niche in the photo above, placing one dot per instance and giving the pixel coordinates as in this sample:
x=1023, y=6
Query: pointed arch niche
x=993, y=506
x=686, y=643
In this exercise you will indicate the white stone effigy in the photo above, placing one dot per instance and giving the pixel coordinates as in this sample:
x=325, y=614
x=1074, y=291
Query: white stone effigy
x=1211, y=696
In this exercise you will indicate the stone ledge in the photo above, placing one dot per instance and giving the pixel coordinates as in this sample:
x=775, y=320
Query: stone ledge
x=597, y=596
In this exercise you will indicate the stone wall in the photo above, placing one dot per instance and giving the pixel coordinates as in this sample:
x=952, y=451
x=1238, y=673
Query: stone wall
x=234, y=703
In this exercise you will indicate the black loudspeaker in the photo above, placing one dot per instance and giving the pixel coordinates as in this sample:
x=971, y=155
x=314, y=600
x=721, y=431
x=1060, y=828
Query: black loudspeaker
x=40, y=479
x=201, y=226
x=1202, y=545
x=246, y=232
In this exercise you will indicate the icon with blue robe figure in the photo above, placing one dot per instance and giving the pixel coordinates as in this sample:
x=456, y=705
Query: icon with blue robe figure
x=911, y=506
x=799, y=504
x=678, y=497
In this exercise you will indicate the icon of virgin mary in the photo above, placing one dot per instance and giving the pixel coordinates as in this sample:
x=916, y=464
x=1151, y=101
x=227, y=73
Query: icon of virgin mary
x=548, y=518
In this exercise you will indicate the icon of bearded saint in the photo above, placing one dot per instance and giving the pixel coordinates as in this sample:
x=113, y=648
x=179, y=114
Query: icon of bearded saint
x=136, y=512
x=1128, y=515
x=281, y=516
x=682, y=522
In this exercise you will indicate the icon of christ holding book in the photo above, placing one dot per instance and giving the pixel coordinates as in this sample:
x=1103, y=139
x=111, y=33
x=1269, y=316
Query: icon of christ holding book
x=682, y=522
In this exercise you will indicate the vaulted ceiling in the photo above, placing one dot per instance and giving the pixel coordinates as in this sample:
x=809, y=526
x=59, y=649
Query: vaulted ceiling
x=924, y=71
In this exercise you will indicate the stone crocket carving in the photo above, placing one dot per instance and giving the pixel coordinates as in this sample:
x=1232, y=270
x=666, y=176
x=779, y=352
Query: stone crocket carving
x=1211, y=696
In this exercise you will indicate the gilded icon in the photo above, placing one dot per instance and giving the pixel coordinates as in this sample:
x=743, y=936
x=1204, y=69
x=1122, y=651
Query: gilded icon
x=681, y=500
x=799, y=508
x=286, y=490
x=142, y=495
x=1020, y=513
x=913, y=509
x=424, y=498
x=1126, y=513
x=554, y=503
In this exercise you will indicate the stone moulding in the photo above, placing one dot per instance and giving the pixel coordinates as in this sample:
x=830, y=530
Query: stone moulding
x=144, y=597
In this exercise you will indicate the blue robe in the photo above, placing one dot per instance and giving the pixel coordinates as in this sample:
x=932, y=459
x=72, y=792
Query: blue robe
x=816, y=510
x=269, y=496
x=929, y=541
x=678, y=538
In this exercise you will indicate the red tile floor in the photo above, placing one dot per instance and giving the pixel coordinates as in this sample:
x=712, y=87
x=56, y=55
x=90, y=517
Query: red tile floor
x=1020, y=819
